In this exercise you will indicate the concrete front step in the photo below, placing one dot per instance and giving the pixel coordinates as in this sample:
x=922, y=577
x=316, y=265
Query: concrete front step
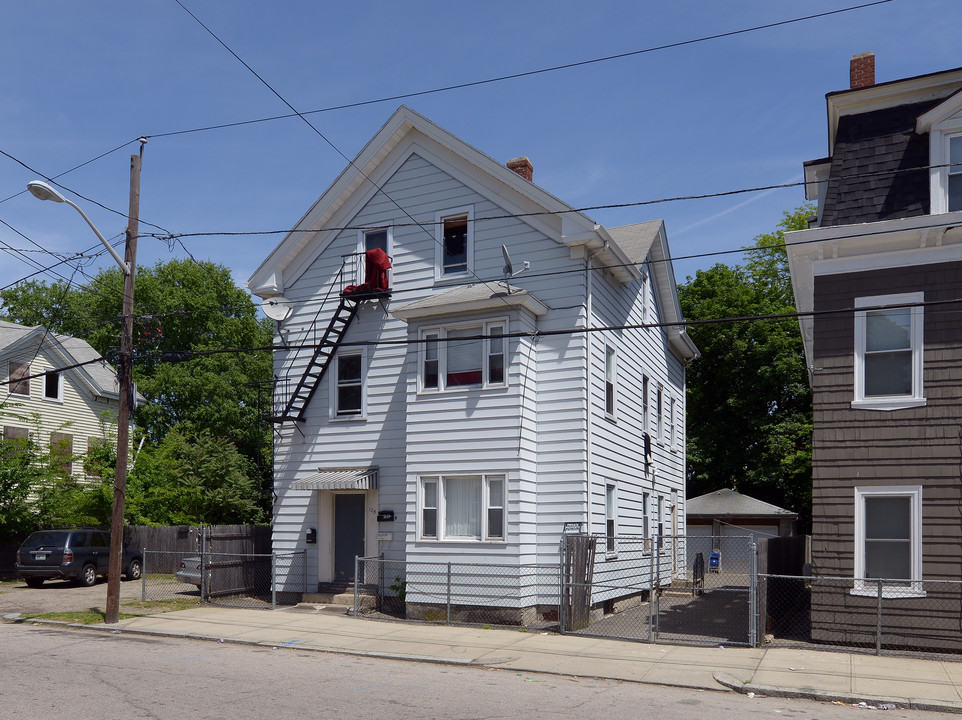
x=338, y=602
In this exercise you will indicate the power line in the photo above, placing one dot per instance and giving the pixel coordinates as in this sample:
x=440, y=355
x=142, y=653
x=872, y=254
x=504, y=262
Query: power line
x=76, y=167
x=378, y=188
x=764, y=317
x=514, y=76
x=74, y=192
x=586, y=208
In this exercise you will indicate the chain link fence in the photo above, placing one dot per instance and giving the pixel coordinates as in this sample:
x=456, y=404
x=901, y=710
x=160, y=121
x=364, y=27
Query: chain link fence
x=675, y=589
x=878, y=616
x=457, y=593
x=243, y=580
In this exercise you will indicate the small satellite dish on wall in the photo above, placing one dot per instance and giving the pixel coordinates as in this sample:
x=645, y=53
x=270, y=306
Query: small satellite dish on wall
x=278, y=308
x=509, y=266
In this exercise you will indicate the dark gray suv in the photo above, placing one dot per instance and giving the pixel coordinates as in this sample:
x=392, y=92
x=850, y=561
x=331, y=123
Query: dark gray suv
x=79, y=555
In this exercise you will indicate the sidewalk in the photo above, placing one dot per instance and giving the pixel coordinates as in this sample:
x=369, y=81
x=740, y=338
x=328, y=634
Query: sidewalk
x=814, y=674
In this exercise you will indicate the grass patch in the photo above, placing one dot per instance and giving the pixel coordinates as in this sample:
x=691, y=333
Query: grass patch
x=83, y=617
x=172, y=605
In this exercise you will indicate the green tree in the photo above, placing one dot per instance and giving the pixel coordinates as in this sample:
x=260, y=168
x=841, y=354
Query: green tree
x=186, y=481
x=749, y=409
x=180, y=306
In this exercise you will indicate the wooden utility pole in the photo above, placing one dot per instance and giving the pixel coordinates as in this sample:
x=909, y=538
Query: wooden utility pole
x=126, y=392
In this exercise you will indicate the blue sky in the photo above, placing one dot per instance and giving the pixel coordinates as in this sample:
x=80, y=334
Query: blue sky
x=737, y=112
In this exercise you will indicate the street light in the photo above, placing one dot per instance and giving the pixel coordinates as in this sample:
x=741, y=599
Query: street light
x=43, y=191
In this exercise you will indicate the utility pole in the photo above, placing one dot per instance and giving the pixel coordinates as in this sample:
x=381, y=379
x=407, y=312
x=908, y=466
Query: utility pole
x=126, y=392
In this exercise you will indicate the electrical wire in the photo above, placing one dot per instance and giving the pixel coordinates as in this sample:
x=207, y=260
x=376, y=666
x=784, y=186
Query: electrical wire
x=517, y=75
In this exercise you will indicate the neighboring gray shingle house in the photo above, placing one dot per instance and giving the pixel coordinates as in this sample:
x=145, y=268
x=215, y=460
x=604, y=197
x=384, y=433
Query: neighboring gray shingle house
x=880, y=271
x=449, y=417
x=74, y=405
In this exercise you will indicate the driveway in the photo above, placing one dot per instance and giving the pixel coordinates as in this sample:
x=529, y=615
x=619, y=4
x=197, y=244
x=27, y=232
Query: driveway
x=60, y=596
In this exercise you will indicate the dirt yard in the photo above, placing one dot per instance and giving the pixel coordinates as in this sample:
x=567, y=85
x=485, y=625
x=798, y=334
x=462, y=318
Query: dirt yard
x=60, y=596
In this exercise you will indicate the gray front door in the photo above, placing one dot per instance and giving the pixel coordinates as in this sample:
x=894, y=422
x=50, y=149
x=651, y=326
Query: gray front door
x=348, y=534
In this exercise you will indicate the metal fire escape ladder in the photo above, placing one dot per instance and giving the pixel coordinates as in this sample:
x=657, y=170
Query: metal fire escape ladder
x=319, y=362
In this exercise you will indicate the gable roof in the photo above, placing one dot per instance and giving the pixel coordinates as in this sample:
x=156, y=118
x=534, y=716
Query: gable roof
x=98, y=377
x=726, y=503
x=405, y=133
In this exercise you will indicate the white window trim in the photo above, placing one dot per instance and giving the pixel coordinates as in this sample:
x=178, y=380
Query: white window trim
x=59, y=397
x=362, y=248
x=660, y=412
x=439, y=218
x=939, y=138
x=611, y=515
x=332, y=392
x=486, y=478
x=672, y=419
x=870, y=587
x=613, y=414
x=916, y=338
x=441, y=331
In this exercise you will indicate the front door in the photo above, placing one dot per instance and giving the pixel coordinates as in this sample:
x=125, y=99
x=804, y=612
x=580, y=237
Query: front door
x=348, y=534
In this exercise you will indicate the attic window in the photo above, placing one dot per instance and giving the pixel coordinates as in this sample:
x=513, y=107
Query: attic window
x=455, y=243
x=19, y=374
x=52, y=385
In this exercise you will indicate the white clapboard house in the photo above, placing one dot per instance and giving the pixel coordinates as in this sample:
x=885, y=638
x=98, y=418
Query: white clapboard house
x=482, y=393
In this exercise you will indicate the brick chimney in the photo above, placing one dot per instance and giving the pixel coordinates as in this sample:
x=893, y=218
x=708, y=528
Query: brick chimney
x=862, y=70
x=522, y=166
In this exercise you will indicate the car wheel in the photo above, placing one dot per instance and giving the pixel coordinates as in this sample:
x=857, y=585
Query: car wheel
x=134, y=570
x=88, y=576
x=34, y=582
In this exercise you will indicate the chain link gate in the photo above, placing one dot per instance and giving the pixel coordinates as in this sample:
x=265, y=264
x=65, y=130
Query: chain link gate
x=674, y=589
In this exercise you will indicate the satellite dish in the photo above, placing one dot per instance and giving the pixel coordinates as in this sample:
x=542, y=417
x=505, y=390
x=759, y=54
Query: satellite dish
x=277, y=308
x=508, y=267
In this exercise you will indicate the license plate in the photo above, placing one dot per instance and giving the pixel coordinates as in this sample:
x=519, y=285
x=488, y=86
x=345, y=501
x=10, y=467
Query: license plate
x=40, y=556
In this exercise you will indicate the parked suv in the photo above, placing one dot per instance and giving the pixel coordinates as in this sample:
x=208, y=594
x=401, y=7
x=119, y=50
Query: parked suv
x=79, y=555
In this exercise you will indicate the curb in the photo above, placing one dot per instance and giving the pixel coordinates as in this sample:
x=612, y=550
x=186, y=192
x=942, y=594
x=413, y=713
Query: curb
x=898, y=703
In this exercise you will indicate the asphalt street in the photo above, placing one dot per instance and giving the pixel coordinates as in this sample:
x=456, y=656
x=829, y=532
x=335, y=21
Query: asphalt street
x=48, y=672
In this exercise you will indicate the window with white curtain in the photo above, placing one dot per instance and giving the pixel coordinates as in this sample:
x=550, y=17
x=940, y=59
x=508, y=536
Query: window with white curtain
x=463, y=356
x=462, y=507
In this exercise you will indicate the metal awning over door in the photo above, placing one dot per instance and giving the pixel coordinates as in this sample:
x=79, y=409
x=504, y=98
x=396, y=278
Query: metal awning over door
x=345, y=478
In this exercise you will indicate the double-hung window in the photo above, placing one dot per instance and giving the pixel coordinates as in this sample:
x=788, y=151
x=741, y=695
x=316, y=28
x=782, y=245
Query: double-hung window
x=611, y=380
x=888, y=351
x=611, y=513
x=660, y=417
x=672, y=419
x=463, y=356
x=371, y=239
x=462, y=507
x=347, y=397
x=454, y=251
x=954, y=173
x=888, y=540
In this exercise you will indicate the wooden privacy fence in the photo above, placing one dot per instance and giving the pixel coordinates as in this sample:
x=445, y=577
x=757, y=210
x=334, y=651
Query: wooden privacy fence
x=177, y=541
